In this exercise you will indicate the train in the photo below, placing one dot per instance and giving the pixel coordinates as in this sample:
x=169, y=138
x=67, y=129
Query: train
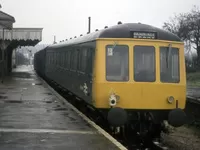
x=132, y=73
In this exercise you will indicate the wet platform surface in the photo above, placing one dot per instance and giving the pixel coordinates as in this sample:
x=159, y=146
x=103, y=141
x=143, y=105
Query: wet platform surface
x=31, y=117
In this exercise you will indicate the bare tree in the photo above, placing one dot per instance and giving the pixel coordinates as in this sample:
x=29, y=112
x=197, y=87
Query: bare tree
x=187, y=27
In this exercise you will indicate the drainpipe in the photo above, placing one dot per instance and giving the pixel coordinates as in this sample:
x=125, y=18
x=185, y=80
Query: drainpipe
x=3, y=67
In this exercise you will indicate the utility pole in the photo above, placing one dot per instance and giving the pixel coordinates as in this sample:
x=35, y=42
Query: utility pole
x=89, y=24
x=54, y=40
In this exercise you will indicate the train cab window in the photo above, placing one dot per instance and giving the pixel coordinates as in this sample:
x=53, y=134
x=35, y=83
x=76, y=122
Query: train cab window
x=144, y=64
x=117, y=66
x=169, y=65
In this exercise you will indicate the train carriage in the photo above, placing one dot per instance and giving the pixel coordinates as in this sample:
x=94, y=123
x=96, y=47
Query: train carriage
x=128, y=72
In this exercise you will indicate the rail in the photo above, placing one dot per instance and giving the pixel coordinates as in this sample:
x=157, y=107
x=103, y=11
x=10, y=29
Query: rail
x=193, y=99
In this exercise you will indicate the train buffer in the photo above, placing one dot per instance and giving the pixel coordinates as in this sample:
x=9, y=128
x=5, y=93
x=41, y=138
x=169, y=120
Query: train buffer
x=32, y=116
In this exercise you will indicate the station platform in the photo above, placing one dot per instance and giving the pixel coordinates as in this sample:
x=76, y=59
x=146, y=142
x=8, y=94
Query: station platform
x=33, y=117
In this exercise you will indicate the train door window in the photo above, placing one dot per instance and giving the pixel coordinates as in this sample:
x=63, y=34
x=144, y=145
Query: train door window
x=69, y=59
x=58, y=59
x=83, y=60
x=62, y=59
x=65, y=61
x=0, y=54
x=64, y=55
x=54, y=60
x=144, y=64
x=78, y=59
x=117, y=66
x=49, y=58
x=169, y=65
x=90, y=61
x=74, y=60
x=48, y=61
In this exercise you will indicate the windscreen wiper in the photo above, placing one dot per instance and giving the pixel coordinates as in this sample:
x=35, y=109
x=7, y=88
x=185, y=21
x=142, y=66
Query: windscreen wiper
x=115, y=44
x=168, y=54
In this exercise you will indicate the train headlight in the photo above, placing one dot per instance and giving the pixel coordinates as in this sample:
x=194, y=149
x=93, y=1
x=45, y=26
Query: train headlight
x=170, y=99
x=113, y=99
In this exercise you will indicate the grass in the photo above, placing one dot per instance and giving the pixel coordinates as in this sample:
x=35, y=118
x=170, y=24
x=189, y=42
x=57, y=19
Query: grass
x=193, y=79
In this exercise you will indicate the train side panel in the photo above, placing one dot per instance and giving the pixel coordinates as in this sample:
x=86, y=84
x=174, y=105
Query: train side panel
x=39, y=62
x=72, y=68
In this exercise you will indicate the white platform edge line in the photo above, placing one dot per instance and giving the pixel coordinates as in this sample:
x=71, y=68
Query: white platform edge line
x=99, y=129
x=6, y=130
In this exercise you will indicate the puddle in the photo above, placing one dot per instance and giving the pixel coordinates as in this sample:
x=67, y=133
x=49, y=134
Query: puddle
x=21, y=74
x=38, y=83
x=71, y=118
x=48, y=102
x=60, y=109
x=25, y=79
x=48, y=93
x=13, y=101
x=3, y=97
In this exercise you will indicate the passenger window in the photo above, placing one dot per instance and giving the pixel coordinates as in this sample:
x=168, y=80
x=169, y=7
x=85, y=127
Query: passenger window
x=169, y=65
x=144, y=64
x=117, y=66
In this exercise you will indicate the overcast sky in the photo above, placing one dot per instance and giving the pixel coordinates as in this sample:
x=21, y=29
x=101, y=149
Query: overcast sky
x=69, y=18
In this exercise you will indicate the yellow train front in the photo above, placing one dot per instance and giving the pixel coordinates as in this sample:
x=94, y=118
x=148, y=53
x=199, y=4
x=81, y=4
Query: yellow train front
x=139, y=76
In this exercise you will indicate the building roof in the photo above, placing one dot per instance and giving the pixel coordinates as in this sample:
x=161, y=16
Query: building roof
x=6, y=21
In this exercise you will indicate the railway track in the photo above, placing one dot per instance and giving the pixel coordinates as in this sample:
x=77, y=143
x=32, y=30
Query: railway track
x=128, y=143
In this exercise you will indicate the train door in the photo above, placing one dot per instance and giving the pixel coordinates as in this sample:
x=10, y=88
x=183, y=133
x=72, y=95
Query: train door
x=85, y=76
x=90, y=73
